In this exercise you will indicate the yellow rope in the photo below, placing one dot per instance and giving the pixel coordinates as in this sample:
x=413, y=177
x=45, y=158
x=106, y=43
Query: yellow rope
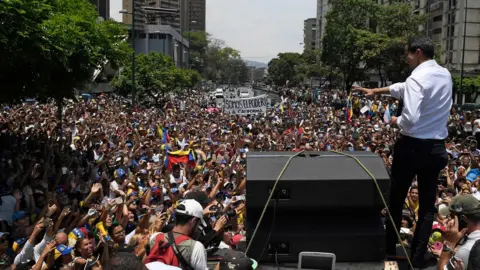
x=269, y=198
x=383, y=200
x=363, y=167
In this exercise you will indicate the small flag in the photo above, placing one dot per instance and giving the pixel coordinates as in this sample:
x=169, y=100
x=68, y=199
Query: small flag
x=386, y=115
x=349, y=112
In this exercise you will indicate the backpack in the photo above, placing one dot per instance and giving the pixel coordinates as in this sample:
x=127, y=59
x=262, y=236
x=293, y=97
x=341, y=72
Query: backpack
x=163, y=251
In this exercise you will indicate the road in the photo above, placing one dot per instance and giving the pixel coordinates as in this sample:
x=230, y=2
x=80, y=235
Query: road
x=272, y=95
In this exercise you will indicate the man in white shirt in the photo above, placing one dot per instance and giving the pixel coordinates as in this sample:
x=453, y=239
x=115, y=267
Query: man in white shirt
x=420, y=150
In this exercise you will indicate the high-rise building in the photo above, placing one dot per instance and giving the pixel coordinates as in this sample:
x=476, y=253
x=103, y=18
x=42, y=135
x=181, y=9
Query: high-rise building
x=197, y=15
x=445, y=25
x=103, y=7
x=322, y=9
x=140, y=14
x=158, y=28
x=309, y=34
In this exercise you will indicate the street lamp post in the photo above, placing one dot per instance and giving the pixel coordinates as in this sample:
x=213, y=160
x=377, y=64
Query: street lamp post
x=463, y=50
x=189, y=40
x=134, y=88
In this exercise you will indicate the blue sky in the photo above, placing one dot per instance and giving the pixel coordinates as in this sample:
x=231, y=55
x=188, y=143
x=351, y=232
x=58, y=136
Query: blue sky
x=259, y=29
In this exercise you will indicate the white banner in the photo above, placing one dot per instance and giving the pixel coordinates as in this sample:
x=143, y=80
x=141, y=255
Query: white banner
x=245, y=106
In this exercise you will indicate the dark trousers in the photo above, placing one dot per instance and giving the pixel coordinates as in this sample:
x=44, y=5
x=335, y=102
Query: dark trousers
x=424, y=158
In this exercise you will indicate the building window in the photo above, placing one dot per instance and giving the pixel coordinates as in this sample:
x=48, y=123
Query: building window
x=437, y=18
x=153, y=36
x=437, y=31
x=142, y=35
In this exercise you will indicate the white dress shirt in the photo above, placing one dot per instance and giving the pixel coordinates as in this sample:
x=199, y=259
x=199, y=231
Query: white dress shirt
x=427, y=99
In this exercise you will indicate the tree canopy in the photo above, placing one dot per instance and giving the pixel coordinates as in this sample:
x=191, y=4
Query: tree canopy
x=55, y=46
x=470, y=87
x=216, y=61
x=362, y=38
x=156, y=75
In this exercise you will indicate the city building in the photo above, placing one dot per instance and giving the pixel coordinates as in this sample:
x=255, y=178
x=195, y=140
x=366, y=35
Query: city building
x=322, y=9
x=309, y=34
x=158, y=28
x=197, y=11
x=445, y=26
x=103, y=7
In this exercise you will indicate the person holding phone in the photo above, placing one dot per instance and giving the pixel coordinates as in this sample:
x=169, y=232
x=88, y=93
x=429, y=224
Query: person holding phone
x=420, y=149
x=463, y=231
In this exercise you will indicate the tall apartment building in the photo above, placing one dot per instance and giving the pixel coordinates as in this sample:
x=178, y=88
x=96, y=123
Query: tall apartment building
x=322, y=9
x=140, y=14
x=198, y=15
x=445, y=26
x=103, y=7
x=309, y=34
x=158, y=30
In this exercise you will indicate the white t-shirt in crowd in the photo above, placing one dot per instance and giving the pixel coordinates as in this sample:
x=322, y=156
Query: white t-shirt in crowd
x=464, y=251
x=129, y=236
x=113, y=186
x=476, y=126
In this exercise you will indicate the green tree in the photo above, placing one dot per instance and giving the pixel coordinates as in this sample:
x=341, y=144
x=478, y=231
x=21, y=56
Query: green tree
x=470, y=87
x=156, y=75
x=56, y=45
x=349, y=31
x=199, y=41
x=287, y=68
x=397, y=22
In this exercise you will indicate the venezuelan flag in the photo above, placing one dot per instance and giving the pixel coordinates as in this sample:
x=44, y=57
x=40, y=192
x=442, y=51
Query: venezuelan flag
x=160, y=131
x=180, y=156
x=164, y=135
x=349, y=112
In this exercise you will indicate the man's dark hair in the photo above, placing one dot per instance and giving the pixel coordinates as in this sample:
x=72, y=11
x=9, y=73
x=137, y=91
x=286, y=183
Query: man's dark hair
x=181, y=219
x=125, y=261
x=425, y=44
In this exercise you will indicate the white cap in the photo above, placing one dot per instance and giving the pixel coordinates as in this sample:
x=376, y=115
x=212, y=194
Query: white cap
x=192, y=208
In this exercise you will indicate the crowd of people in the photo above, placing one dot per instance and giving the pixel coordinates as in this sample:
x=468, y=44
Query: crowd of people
x=112, y=186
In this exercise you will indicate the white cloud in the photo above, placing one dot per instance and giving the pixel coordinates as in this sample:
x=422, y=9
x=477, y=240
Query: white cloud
x=260, y=29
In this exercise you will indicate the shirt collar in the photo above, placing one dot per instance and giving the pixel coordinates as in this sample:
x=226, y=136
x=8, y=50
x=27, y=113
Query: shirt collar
x=428, y=63
x=474, y=235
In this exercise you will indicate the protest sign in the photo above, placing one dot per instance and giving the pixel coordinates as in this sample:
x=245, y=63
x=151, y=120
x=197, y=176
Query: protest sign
x=245, y=106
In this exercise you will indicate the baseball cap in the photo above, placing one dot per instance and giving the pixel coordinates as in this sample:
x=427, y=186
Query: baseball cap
x=199, y=196
x=463, y=204
x=191, y=208
x=119, y=173
x=236, y=260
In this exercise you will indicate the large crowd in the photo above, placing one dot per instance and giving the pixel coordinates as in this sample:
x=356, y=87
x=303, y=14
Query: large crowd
x=163, y=187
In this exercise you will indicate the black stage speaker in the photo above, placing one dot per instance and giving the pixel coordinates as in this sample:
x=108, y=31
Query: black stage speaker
x=318, y=180
x=325, y=202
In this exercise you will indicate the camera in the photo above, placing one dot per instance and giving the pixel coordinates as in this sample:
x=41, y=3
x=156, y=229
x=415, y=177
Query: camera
x=231, y=213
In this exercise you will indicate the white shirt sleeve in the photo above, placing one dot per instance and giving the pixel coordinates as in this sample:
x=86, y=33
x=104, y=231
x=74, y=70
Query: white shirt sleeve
x=199, y=257
x=37, y=250
x=24, y=255
x=129, y=236
x=397, y=90
x=412, y=98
